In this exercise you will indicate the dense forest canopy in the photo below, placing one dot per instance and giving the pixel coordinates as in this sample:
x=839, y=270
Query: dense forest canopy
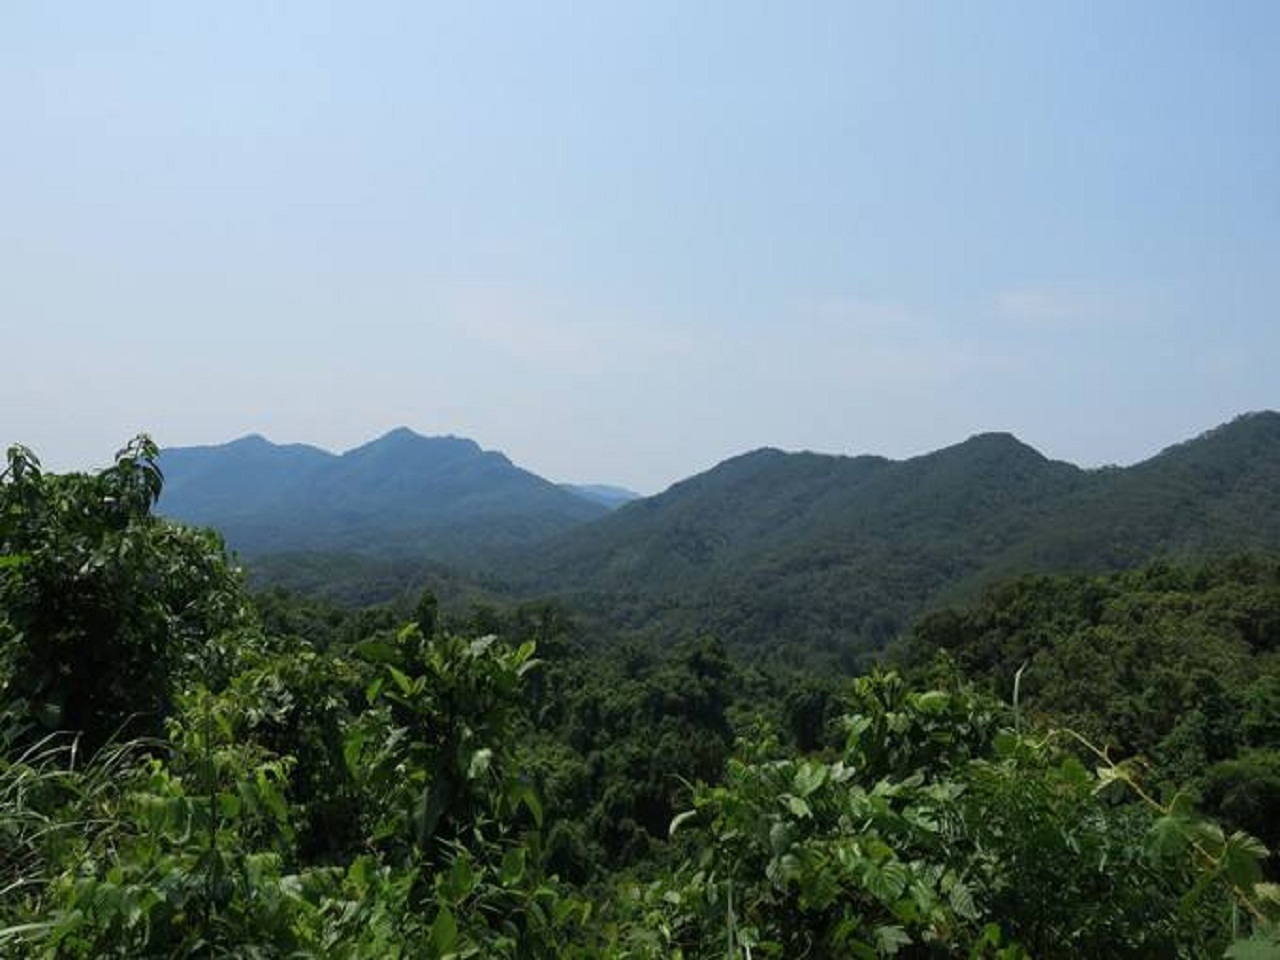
x=1071, y=766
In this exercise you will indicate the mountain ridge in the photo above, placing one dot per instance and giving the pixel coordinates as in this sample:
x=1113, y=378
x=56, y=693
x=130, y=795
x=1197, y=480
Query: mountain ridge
x=812, y=548
x=766, y=547
x=443, y=498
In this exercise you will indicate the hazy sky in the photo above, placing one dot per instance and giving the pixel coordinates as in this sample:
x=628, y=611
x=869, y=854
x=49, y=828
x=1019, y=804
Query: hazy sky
x=621, y=242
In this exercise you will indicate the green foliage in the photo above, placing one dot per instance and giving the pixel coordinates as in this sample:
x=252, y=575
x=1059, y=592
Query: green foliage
x=614, y=744
x=334, y=784
x=1176, y=664
x=196, y=845
x=429, y=749
x=105, y=607
x=939, y=831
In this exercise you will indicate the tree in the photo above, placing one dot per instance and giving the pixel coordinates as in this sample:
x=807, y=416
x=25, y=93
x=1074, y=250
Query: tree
x=105, y=604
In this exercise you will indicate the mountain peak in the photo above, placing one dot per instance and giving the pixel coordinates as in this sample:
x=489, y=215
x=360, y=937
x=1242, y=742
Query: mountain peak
x=401, y=433
x=248, y=441
x=993, y=447
x=997, y=440
x=399, y=436
x=402, y=493
x=256, y=445
x=759, y=455
x=404, y=439
x=1258, y=423
x=1239, y=439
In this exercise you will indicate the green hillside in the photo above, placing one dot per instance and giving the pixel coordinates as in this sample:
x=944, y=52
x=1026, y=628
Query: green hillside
x=1218, y=491
x=1177, y=664
x=786, y=553
x=839, y=553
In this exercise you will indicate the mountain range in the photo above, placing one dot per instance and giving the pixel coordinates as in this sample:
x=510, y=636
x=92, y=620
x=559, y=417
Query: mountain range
x=841, y=552
x=831, y=552
x=401, y=495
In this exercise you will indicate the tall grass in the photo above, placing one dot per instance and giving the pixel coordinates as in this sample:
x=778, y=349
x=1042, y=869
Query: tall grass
x=57, y=807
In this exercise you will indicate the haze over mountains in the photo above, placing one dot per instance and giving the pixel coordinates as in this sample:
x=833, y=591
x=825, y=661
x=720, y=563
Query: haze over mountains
x=817, y=549
x=399, y=495
x=603, y=493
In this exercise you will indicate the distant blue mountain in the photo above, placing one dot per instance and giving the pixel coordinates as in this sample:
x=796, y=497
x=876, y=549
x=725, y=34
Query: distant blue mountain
x=438, y=497
x=603, y=494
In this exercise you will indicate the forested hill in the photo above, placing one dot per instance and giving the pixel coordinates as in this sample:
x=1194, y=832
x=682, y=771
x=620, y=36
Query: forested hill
x=779, y=550
x=841, y=552
x=400, y=495
x=1220, y=490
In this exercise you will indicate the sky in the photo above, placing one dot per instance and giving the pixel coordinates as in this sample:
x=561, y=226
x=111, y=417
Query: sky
x=623, y=242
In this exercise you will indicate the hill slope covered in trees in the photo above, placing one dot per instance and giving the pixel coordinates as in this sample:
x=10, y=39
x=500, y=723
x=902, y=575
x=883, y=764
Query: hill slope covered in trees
x=773, y=548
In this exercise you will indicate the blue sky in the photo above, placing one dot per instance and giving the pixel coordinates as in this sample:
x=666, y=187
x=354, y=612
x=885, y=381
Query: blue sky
x=621, y=243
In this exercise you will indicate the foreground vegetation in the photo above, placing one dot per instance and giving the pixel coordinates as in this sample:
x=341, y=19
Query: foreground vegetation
x=185, y=771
